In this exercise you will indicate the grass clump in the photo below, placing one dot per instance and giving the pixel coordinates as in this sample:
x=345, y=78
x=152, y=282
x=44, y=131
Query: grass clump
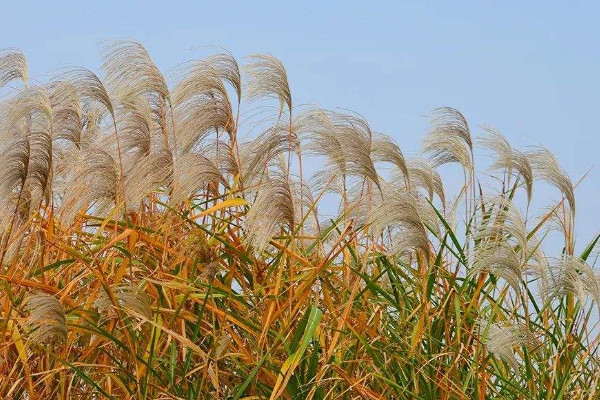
x=152, y=248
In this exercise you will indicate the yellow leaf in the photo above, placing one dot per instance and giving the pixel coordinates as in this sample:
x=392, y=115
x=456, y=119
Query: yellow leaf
x=16, y=335
x=225, y=204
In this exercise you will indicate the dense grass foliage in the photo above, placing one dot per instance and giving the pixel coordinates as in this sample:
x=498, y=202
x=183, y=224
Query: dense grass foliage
x=160, y=243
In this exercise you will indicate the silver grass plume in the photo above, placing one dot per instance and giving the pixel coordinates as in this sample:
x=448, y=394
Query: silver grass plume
x=89, y=87
x=258, y=153
x=39, y=173
x=422, y=175
x=130, y=72
x=91, y=178
x=507, y=158
x=222, y=155
x=344, y=140
x=272, y=210
x=150, y=173
x=302, y=197
x=134, y=124
x=449, y=139
x=191, y=173
x=359, y=201
x=567, y=274
x=425, y=211
x=31, y=102
x=128, y=297
x=502, y=221
x=327, y=181
x=228, y=70
x=501, y=340
x=13, y=65
x=15, y=161
x=29, y=115
x=384, y=149
x=67, y=112
x=40, y=136
x=315, y=126
x=357, y=141
x=201, y=104
x=561, y=220
x=399, y=213
x=546, y=167
x=46, y=321
x=94, y=131
x=499, y=259
x=267, y=77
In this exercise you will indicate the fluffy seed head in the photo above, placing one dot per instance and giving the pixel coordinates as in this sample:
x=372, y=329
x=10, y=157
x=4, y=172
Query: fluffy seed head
x=567, y=274
x=399, y=213
x=13, y=65
x=501, y=340
x=546, y=167
x=130, y=72
x=449, y=139
x=272, y=210
x=267, y=78
x=127, y=297
x=507, y=158
x=500, y=259
x=46, y=320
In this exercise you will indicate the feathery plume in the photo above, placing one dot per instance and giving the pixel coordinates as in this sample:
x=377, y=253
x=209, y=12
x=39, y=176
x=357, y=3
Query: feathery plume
x=130, y=72
x=357, y=138
x=127, y=297
x=399, y=212
x=31, y=103
x=327, y=181
x=13, y=65
x=91, y=177
x=15, y=161
x=198, y=118
x=449, y=139
x=502, y=221
x=39, y=179
x=89, y=87
x=267, y=78
x=46, y=320
x=344, y=140
x=222, y=155
x=567, y=274
x=134, y=124
x=67, y=112
x=501, y=340
x=149, y=174
x=384, y=149
x=256, y=155
x=422, y=175
x=201, y=105
x=273, y=208
x=507, y=158
x=228, y=69
x=28, y=116
x=191, y=172
x=547, y=168
x=561, y=220
x=500, y=259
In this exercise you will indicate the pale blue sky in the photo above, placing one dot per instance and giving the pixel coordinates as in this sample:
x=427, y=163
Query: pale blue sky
x=527, y=68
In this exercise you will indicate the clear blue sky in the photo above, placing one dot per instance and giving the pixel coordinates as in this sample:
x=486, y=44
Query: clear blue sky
x=528, y=68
